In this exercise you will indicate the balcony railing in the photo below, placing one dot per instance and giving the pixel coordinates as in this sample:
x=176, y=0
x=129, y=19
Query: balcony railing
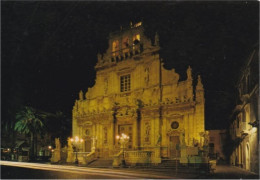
x=126, y=53
x=135, y=157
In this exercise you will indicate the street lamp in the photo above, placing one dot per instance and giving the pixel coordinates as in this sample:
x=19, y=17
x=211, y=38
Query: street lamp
x=50, y=150
x=75, y=143
x=123, y=139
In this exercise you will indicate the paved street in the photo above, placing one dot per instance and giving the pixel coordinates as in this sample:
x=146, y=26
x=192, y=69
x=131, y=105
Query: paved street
x=47, y=171
x=17, y=170
x=231, y=172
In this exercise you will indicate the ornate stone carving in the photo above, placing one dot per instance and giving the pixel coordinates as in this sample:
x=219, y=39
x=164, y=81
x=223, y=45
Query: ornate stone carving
x=80, y=95
x=146, y=77
x=189, y=73
x=174, y=132
x=105, y=85
x=147, y=132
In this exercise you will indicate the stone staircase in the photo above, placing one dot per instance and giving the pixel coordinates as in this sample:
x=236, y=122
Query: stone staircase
x=176, y=165
x=101, y=163
x=170, y=163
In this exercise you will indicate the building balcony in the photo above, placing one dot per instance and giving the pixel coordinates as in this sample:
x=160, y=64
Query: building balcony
x=243, y=129
x=126, y=53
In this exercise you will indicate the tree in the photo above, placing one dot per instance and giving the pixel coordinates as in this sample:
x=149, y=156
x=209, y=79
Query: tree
x=59, y=126
x=30, y=122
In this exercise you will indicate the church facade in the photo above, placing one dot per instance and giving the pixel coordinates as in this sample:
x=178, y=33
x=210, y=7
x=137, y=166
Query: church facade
x=135, y=95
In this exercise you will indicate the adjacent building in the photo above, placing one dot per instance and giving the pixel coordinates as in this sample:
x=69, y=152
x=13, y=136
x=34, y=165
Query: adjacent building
x=135, y=95
x=244, y=129
x=216, y=142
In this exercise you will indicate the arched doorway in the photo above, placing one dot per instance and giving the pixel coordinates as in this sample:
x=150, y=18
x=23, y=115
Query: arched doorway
x=87, y=144
x=174, y=146
x=87, y=139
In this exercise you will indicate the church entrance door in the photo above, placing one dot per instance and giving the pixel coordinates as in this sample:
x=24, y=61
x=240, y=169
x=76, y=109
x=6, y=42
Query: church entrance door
x=127, y=130
x=88, y=145
x=174, y=147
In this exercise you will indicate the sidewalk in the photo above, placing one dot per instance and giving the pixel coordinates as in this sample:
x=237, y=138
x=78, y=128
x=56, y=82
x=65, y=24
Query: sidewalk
x=232, y=172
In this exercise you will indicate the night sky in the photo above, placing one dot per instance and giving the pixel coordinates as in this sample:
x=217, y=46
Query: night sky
x=49, y=48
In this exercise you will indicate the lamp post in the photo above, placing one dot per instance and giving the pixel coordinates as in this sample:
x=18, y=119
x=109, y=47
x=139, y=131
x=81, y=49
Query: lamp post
x=123, y=139
x=75, y=143
x=50, y=150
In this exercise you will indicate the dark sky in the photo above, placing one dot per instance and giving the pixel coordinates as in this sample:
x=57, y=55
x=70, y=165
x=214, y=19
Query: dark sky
x=49, y=48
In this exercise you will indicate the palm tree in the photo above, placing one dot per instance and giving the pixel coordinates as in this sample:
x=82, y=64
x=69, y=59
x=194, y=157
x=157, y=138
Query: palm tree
x=29, y=122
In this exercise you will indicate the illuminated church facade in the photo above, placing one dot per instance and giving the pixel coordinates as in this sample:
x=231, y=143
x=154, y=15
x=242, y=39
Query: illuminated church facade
x=135, y=95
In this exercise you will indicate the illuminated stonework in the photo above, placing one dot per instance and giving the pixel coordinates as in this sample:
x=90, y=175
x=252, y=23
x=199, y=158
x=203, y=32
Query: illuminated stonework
x=135, y=95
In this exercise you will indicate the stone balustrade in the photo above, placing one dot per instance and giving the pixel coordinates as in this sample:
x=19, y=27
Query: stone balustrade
x=89, y=157
x=156, y=153
x=126, y=53
x=81, y=157
x=118, y=159
x=138, y=157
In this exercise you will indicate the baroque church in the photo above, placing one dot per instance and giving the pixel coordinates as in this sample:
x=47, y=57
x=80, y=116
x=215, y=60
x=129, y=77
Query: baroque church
x=135, y=95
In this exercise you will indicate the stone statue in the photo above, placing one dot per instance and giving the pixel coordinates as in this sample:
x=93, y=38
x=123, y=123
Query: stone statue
x=57, y=144
x=70, y=155
x=69, y=144
x=183, y=138
x=146, y=78
x=56, y=154
x=199, y=84
x=206, y=138
x=105, y=85
x=159, y=139
x=80, y=95
x=94, y=140
x=147, y=132
x=189, y=73
x=195, y=142
x=99, y=56
x=156, y=39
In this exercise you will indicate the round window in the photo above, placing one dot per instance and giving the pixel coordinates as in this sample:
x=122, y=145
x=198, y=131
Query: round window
x=175, y=125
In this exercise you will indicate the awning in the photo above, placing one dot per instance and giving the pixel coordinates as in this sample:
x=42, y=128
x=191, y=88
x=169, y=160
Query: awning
x=18, y=144
x=25, y=149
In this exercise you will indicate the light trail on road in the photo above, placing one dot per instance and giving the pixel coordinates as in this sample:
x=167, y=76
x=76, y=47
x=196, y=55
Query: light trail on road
x=112, y=173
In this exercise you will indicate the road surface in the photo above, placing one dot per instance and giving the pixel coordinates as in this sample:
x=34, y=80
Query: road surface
x=23, y=170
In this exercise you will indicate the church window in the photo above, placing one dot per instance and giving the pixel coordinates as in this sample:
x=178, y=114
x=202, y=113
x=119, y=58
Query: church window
x=125, y=45
x=125, y=82
x=136, y=39
x=115, y=48
x=138, y=24
x=130, y=137
x=175, y=125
